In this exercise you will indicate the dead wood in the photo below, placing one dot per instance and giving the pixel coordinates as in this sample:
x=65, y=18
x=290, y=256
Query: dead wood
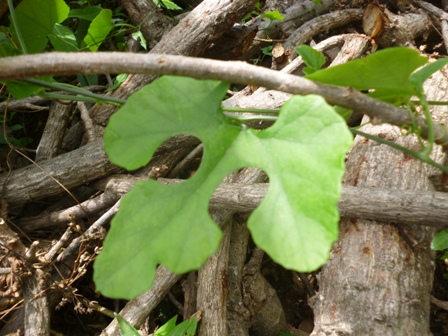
x=203, y=25
x=295, y=13
x=51, y=142
x=213, y=295
x=320, y=24
x=422, y=208
x=150, y=19
x=72, y=169
x=378, y=278
x=403, y=29
x=138, y=309
x=236, y=297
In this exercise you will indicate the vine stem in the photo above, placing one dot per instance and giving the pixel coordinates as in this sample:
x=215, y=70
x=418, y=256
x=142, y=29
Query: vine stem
x=428, y=149
x=17, y=27
x=77, y=91
x=422, y=156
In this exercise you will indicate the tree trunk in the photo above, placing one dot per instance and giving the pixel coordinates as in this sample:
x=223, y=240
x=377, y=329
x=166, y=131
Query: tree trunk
x=379, y=277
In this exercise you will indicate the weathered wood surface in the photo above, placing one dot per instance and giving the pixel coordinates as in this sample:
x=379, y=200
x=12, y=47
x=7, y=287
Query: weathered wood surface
x=72, y=169
x=379, y=277
x=190, y=37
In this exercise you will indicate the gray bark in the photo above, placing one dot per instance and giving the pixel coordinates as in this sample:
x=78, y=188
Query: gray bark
x=149, y=18
x=379, y=277
x=190, y=37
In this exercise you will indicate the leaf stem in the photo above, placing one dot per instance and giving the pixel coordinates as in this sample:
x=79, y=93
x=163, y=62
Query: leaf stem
x=252, y=117
x=430, y=102
x=77, y=91
x=50, y=95
x=428, y=149
x=16, y=26
x=422, y=156
x=249, y=109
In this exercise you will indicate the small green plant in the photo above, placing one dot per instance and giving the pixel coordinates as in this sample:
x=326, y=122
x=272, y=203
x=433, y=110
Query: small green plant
x=265, y=52
x=166, y=4
x=273, y=15
x=254, y=13
x=312, y=58
x=52, y=25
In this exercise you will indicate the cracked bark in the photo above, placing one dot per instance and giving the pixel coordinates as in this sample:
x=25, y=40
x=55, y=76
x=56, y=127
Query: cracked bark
x=379, y=277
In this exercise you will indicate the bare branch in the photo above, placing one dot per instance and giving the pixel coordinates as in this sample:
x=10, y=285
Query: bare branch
x=20, y=67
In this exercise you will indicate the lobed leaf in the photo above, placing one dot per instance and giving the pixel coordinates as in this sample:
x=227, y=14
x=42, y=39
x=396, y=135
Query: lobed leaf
x=386, y=72
x=296, y=224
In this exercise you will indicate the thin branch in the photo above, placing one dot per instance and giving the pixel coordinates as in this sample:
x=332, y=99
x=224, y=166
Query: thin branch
x=21, y=67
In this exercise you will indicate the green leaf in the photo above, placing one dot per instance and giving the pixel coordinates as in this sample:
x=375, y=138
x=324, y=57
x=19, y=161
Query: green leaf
x=88, y=13
x=167, y=327
x=21, y=90
x=312, y=58
x=303, y=154
x=36, y=20
x=267, y=50
x=273, y=15
x=421, y=75
x=440, y=241
x=386, y=72
x=63, y=38
x=6, y=47
x=118, y=81
x=126, y=328
x=99, y=29
x=139, y=36
x=168, y=4
x=185, y=328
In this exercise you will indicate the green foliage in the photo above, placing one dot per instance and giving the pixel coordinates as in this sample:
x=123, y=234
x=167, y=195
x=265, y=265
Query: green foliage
x=170, y=224
x=253, y=13
x=440, y=241
x=118, y=81
x=88, y=13
x=40, y=22
x=21, y=90
x=126, y=328
x=99, y=29
x=63, y=38
x=139, y=36
x=419, y=77
x=36, y=19
x=312, y=58
x=185, y=328
x=386, y=73
x=167, y=4
x=167, y=327
x=6, y=47
x=273, y=15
